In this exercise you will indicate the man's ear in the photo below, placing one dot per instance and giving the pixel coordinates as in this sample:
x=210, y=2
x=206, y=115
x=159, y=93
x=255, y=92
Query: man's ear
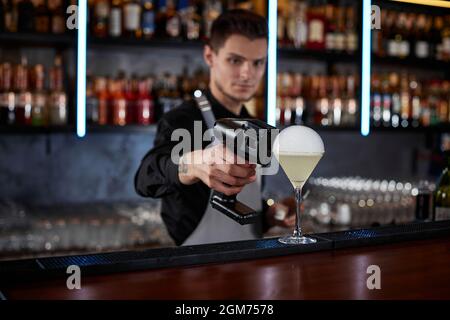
x=208, y=55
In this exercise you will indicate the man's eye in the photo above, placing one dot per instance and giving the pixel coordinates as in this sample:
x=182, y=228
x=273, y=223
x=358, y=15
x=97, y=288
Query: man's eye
x=235, y=61
x=259, y=63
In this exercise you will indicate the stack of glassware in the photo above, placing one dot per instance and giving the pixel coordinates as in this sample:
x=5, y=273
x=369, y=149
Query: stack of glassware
x=26, y=231
x=354, y=202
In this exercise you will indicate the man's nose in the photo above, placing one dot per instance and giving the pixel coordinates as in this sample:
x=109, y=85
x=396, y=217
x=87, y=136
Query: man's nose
x=246, y=70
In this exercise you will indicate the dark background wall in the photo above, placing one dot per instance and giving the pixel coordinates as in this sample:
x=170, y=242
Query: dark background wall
x=60, y=168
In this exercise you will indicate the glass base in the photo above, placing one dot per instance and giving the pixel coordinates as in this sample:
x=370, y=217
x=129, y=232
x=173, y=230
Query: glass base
x=296, y=240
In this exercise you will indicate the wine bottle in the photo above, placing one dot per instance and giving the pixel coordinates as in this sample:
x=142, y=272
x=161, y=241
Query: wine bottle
x=441, y=204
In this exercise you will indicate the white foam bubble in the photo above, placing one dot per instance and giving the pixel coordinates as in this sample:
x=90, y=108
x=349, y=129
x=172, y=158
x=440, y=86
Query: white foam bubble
x=298, y=139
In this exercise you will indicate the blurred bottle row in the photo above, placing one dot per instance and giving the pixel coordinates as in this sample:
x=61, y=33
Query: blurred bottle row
x=43, y=16
x=138, y=100
x=183, y=19
x=30, y=96
x=316, y=99
x=318, y=25
x=419, y=35
x=176, y=19
x=405, y=101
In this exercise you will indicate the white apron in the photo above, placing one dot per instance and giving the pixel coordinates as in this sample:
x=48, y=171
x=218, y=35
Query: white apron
x=217, y=227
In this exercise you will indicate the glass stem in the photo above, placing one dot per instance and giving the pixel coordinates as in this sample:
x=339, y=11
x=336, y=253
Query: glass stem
x=298, y=198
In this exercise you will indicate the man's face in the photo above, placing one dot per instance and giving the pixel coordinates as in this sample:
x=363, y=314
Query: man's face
x=238, y=66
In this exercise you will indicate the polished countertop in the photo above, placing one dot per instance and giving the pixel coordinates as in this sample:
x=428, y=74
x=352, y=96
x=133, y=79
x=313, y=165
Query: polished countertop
x=410, y=269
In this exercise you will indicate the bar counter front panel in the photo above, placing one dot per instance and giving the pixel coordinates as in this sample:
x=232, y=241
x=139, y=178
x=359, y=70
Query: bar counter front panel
x=414, y=262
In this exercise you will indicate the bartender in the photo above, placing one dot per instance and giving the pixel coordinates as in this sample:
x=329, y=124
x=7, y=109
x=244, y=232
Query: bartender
x=236, y=55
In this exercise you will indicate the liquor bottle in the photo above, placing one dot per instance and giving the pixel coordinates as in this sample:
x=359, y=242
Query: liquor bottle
x=411, y=38
x=402, y=36
x=301, y=28
x=42, y=17
x=58, y=112
x=336, y=101
x=92, y=112
x=425, y=110
x=422, y=48
x=191, y=21
x=316, y=27
x=431, y=36
x=436, y=36
x=405, y=101
x=441, y=203
x=352, y=105
x=331, y=28
x=7, y=96
x=148, y=19
x=132, y=19
x=131, y=93
x=58, y=16
x=23, y=97
x=2, y=16
x=26, y=14
x=442, y=104
x=291, y=19
x=323, y=105
x=212, y=10
x=39, y=110
x=433, y=101
x=340, y=33
x=351, y=38
x=173, y=25
x=100, y=19
x=115, y=19
x=161, y=20
x=119, y=104
x=386, y=102
x=376, y=101
x=396, y=104
x=393, y=38
x=103, y=100
x=445, y=36
x=10, y=15
x=297, y=100
x=415, y=90
x=281, y=27
x=145, y=104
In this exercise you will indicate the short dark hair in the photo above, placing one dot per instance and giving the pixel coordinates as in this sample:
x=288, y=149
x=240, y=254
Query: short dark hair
x=237, y=21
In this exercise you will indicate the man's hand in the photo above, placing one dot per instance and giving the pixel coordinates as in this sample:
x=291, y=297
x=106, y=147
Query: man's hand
x=218, y=168
x=282, y=214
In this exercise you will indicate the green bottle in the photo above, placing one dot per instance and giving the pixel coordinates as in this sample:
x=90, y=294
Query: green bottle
x=442, y=194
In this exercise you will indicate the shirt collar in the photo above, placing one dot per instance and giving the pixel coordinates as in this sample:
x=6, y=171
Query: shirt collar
x=220, y=111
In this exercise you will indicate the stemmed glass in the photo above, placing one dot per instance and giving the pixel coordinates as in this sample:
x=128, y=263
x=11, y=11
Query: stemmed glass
x=298, y=150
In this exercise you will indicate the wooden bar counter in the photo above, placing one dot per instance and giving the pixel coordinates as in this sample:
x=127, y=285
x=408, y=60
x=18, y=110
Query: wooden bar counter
x=417, y=269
